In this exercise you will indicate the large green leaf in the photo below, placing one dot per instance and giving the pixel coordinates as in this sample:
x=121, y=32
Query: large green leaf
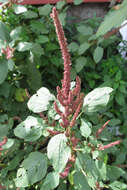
x=3, y=70
x=45, y=10
x=33, y=74
x=15, y=34
x=117, y=185
x=113, y=19
x=39, y=102
x=30, y=14
x=24, y=46
x=96, y=99
x=83, y=47
x=85, y=128
x=51, y=181
x=114, y=173
x=85, y=30
x=80, y=63
x=4, y=33
x=32, y=170
x=30, y=129
x=77, y=2
x=98, y=54
x=86, y=164
x=80, y=182
x=58, y=152
x=18, y=9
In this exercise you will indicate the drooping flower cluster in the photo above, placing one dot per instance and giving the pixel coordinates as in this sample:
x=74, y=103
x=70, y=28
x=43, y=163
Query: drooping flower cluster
x=71, y=100
x=8, y=52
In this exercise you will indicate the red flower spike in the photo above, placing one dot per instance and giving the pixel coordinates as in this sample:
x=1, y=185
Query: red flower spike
x=8, y=52
x=65, y=53
x=74, y=141
x=4, y=141
x=109, y=145
x=53, y=132
x=72, y=123
x=66, y=171
x=72, y=159
x=77, y=89
x=101, y=129
x=57, y=109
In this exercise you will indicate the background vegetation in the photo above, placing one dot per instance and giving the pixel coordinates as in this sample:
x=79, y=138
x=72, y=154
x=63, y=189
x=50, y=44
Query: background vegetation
x=37, y=62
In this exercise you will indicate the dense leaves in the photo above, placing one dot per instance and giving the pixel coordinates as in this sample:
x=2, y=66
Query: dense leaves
x=40, y=153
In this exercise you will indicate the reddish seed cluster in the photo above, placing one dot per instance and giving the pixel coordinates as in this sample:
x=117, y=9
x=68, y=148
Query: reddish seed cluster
x=101, y=129
x=101, y=147
x=8, y=52
x=2, y=187
x=4, y=141
x=71, y=100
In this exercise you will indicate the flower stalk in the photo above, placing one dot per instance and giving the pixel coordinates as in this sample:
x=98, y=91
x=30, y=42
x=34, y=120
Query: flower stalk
x=101, y=147
x=71, y=100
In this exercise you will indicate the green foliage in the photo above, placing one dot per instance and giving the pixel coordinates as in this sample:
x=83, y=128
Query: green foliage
x=113, y=19
x=32, y=170
x=32, y=158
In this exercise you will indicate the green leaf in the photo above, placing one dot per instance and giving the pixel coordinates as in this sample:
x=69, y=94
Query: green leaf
x=80, y=181
x=30, y=14
x=30, y=130
x=4, y=33
x=117, y=185
x=114, y=122
x=37, y=49
x=3, y=70
x=24, y=46
x=120, y=99
x=87, y=165
x=58, y=152
x=80, y=63
x=114, y=173
x=85, y=30
x=118, y=76
x=83, y=47
x=42, y=39
x=20, y=95
x=122, y=89
x=33, y=74
x=77, y=2
x=5, y=89
x=38, y=27
x=73, y=46
x=60, y=4
x=15, y=34
x=45, y=10
x=98, y=54
x=32, y=170
x=3, y=130
x=62, y=17
x=113, y=19
x=51, y=181
x=85, y=128
x=11, y=65
x=101, y=166
x=39, y=102
x=18, y=9
x=96, y=99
